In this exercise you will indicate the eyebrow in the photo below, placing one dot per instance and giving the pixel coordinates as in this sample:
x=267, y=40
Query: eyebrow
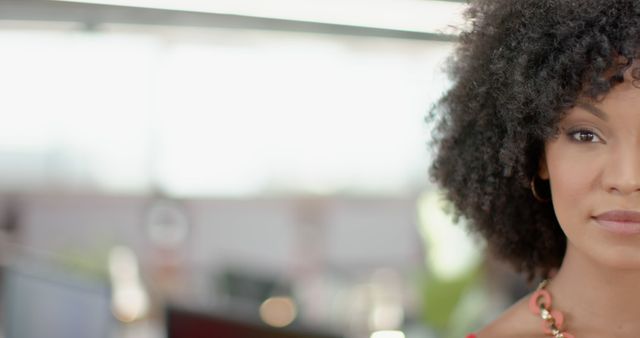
x=593, y=110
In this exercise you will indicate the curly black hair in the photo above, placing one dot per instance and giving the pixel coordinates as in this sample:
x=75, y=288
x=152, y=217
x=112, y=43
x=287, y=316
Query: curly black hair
x=517, y=69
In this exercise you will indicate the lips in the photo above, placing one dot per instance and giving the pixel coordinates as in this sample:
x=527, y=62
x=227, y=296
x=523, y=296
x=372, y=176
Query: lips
x=622, y=222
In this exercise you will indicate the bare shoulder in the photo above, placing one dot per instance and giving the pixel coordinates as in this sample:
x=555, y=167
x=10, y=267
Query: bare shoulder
x=515, y=322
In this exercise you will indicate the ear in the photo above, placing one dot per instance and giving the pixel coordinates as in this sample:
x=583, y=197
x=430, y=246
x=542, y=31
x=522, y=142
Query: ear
x=543, y=170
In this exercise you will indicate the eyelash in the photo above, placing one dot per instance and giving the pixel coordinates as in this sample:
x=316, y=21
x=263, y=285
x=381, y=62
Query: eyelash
x=574, y=135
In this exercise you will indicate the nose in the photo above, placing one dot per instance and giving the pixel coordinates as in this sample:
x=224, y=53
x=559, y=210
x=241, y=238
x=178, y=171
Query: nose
x=623, y=171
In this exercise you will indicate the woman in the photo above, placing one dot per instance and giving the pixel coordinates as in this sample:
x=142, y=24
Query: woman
x=538, y=146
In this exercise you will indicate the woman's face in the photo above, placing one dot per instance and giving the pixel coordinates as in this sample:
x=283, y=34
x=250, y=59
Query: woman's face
x=593, y=166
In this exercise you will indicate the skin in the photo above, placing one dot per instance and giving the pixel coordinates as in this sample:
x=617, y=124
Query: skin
x=593, y=166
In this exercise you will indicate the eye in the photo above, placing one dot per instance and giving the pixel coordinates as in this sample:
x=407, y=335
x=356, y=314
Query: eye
x=585, y=136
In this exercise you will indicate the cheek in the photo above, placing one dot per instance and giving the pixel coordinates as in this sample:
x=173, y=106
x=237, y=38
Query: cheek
x=568, y=183
x=572, y=178
x=569, y=198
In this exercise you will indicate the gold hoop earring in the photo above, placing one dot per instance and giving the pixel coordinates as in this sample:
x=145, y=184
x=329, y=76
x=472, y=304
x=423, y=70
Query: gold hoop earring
x=532, y=184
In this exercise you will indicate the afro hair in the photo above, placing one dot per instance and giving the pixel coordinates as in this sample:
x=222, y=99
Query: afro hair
x=516, y=71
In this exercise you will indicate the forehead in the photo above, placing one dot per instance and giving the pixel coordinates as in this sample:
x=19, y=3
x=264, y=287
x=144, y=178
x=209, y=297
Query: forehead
x=624, y=97
x=620, y=107
x=625, y=94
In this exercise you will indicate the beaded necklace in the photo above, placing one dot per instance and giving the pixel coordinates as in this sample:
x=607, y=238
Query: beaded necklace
x=552, y=320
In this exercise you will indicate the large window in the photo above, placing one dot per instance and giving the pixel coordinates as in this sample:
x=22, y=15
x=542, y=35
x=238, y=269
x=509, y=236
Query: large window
x=214, y=111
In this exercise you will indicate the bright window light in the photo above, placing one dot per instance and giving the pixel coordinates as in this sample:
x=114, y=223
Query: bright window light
x=404, y=15
x=446, y=261
x=388, y=334
x=226, y=113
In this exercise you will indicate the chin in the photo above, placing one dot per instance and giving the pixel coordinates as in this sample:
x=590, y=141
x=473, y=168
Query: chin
x=594, y=246
x=619, y=258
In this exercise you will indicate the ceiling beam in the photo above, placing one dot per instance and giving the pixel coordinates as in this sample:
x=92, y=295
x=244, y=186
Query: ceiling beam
x=93, y=15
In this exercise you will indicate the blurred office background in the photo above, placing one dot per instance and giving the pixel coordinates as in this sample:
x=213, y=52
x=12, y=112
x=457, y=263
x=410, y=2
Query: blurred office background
x=251, y=164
